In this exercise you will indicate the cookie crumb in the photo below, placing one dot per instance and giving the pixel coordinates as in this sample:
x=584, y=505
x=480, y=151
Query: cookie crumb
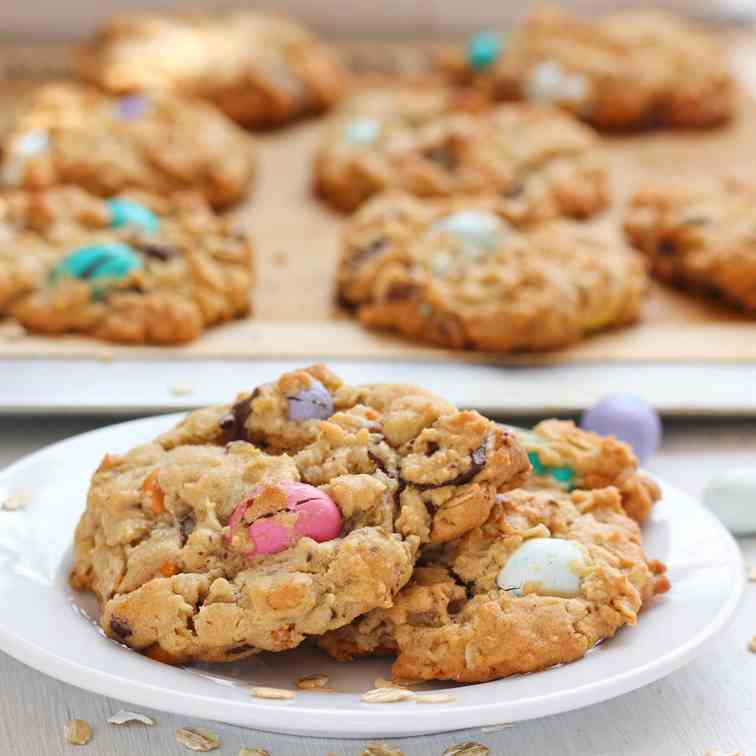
x=497, y=728
x=434, y=698
x=719, y=752
x=381, y=749
x=124, y=717
x=467, y=749
x=312, y=682
x=15, y=502
x=106, y=356
x=751, y=572
x=77, y=732
x=752, y=645
x=274, y=693
x=197, y=739
x=386, y=695
x=253, y=752
x=182, y=389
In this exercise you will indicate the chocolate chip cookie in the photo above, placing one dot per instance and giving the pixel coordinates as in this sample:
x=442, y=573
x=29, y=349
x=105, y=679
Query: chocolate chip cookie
x=540, y=163
x=284, y=515
x=698, y=233
x=544, y=579
x=261, y=69
x=132, y=269
x=628, y=70
x=73, y=134
x=458, y=274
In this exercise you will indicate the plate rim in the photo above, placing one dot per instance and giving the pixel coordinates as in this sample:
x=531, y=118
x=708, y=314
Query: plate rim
x=400, y=720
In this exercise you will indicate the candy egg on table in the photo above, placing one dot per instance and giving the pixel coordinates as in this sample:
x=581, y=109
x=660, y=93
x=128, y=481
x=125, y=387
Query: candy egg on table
x=629, y=418
x=483, y=49
x=731, y=496
x=545, y=566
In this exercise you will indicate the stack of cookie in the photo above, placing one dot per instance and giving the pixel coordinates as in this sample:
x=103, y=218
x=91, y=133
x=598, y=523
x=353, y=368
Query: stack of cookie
x=371, y=519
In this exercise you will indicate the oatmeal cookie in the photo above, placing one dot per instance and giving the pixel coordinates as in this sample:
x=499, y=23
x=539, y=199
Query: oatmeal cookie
x=133, y=268
x=628, y=70
x=73, y=134
x=540, y=163
x=261, y=69
x=567, y=457
x=287, y=514
x=699, y=233
x=544, y=579
x=456, y=273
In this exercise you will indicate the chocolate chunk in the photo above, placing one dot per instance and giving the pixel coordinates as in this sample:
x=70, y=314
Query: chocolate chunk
x=444, y=156
x=120, y=628
x=513, y=191
x=478, y=463
x=232, y=423
x=186, y=528
x=431, y=449
x=400, y=291
x=158, y=251
x=362, y=255
x=667, y=247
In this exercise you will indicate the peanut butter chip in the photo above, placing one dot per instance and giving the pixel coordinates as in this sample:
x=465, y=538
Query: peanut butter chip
x=198, y=739
x=77, y=732
x=273, y=693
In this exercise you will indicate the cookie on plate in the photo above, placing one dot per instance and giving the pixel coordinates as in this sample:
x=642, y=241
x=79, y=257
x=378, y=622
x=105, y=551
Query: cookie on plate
x=287, y=514
x=628, y=70
x=699, y=233
x=544, y=579
x=540, y=163
x=132, y=268
x=261, y=69
x=566, y=457
x=73, y=134
x=456, y=273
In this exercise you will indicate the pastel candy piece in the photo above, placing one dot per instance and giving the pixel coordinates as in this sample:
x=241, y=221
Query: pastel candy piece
x=22, y=148
x=563, y=474
x=630, y=419
x=731, y=496
x=362, y=132
x=132, y=106
x=483, y=49
x=125, y=212
x=545, y=566
x=269, y=536
x=312, y=403
x=550, y=83
x=475, y=228
x=107, y=260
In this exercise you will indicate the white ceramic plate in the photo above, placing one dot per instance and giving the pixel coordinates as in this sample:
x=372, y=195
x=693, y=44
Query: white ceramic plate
x=46, y=625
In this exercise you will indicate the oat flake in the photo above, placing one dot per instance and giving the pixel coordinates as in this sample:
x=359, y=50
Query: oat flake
x=381, y=749
x=467, y=749
x=274, y=693
x=14, y=503
x=434, y=698
x=77, y=732
x=182, y=389
x=197, y=739
x=124, y=717
x=497, y=728
x=386, y=695
x=253, y=752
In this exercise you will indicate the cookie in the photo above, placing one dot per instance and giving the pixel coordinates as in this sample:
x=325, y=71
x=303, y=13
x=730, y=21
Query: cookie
x=289, y=513
x=73, y=134
x=628, y=70
x=456, y=273
x=545, y=578
x=540, y=163
x=698, y=234
x=566, y=457
x=131, y=269
x=261, y=69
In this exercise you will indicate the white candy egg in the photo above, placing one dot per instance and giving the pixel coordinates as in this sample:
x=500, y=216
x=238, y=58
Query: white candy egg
x=731, y=495
x=550, y=83
x=545, y=566
x=472, y=227
x=362, y=131
x=22, y=148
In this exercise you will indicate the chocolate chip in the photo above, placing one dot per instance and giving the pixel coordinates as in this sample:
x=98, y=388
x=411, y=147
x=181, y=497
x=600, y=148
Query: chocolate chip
x=377, y=461
x=363, y=254
x=442, y=155
x=456, y=606
x=158, y=251
x=400, y=291
x=667, y=247
x=431, y=449
x=120, y=628
x=232, y=423
x=478, y=463
x=513, y=191
x=186, y=527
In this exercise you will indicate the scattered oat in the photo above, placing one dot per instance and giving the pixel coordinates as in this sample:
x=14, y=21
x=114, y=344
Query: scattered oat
x=752, y=645
x=182, y=389
x=381, y=749
x=312, y=682
x=253, y=752
x=380, y=682
x=387, y=695
x=467, y=749
x=77, y=732
x=106, y=356
x=274, y=693
x=719, y=752
x=123, y=717
x=751, y=572
x=497, y=728
x=434, y=698
x=197, y=739
x=15, y=502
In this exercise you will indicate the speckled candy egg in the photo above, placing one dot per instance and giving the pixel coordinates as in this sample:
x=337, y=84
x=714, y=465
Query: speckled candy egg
x=628, y=418
x=731, y=495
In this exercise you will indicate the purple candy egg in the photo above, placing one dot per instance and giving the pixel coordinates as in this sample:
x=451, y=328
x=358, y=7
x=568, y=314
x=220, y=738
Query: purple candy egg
x=312, y=403
x=628, y=418
x=132, y=107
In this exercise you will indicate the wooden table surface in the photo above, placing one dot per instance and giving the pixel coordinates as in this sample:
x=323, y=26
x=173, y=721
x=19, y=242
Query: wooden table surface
x=709, y=704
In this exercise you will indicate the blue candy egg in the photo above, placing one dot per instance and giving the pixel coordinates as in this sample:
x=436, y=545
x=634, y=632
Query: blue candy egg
x=125, y=212
x=628, y=418
x=483, y=49
x=132, y=106
x=98, y=261
x=563, y=474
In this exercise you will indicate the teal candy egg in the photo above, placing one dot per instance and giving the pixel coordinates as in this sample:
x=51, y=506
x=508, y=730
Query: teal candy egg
x=483, y=49
x=108, y=260
x=563, y=474
x=124, y=212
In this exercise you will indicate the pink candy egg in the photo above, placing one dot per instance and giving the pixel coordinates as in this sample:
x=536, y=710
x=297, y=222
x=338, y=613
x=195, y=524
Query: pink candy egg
x=318, y=518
